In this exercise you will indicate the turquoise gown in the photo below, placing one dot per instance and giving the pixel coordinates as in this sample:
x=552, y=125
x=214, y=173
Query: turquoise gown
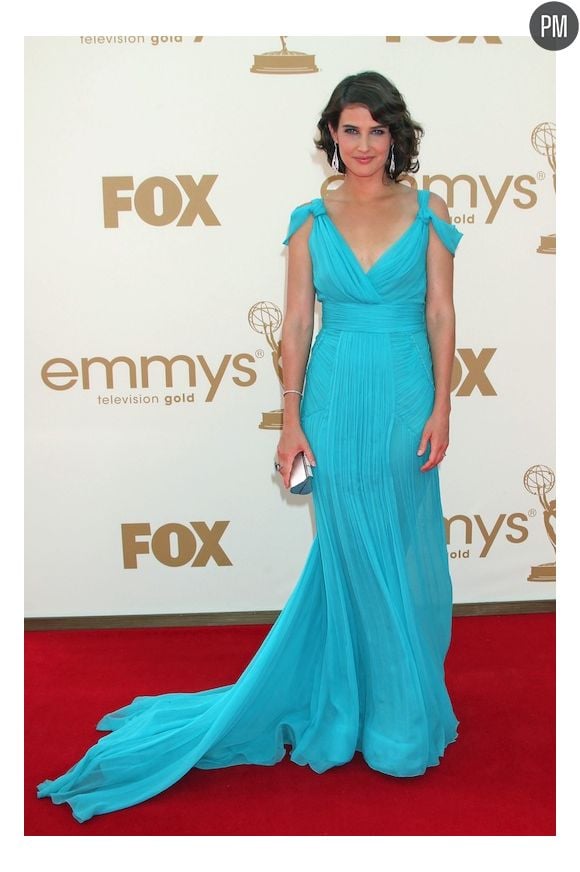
x=355, y=659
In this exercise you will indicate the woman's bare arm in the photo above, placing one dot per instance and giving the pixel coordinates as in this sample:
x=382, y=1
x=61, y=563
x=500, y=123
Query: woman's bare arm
x=296, y=340
x=298, y=323
x=440, y=318
x=440, y=311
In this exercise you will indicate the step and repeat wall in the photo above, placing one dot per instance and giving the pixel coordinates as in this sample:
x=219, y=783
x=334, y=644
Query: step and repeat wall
x=160, y=175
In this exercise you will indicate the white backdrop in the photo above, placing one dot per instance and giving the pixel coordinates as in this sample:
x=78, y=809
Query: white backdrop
x=135, y=470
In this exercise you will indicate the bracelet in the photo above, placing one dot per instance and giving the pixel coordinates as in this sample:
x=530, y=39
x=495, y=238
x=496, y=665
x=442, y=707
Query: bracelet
x=290, y=391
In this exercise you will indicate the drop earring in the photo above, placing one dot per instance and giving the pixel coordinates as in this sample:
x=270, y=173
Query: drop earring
x=334, y=162
x=392, y=163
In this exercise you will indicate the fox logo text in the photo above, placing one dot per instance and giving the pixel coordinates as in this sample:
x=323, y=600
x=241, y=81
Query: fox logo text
x=175, y=544
x=469, y=373
x=159, y=201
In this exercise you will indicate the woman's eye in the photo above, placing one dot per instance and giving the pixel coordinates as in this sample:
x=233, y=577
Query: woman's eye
x=380, y=131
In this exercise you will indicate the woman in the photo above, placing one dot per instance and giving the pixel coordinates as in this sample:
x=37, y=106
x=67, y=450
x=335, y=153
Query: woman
x=374, y=422
x=354, y=661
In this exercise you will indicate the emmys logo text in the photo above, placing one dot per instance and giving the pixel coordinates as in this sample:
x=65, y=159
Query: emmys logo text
x=62, y=374
x=468, y=373
x=512, y=188
x=515, y=523
x=159, y=201
x=175, y=544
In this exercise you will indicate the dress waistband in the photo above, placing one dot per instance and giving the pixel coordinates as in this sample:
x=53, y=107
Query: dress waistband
x=373, y=317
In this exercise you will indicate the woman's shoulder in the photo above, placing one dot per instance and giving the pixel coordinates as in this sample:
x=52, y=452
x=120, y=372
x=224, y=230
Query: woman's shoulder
x=310, y=204
x=301, y=220
x=436, y=204
x=304, y=208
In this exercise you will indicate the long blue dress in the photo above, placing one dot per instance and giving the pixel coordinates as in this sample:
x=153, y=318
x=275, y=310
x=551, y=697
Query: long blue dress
x=355, y=659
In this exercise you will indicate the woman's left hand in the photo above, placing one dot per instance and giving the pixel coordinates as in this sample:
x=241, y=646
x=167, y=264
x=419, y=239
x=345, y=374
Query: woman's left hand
x=436, y=430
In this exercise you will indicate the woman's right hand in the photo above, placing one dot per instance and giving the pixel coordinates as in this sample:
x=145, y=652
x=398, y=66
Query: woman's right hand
x=292, y=442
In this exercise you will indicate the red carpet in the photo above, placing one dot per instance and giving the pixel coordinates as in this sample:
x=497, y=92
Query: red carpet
x=498, y=778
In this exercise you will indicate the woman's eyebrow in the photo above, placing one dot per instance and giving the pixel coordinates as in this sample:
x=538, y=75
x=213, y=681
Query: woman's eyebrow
x=375, y=127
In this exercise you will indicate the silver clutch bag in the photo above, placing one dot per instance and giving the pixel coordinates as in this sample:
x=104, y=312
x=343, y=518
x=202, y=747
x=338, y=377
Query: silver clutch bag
x=301, y=475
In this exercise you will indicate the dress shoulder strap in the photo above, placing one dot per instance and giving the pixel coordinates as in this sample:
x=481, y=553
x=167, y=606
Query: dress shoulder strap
x=423, y=197
x=297, y=217
x=447, y=233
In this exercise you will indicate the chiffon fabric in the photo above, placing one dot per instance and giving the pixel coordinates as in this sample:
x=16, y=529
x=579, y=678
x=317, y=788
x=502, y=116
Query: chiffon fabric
x=355, y=659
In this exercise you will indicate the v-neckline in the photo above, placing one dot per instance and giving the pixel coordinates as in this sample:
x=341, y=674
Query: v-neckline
x=350, y=250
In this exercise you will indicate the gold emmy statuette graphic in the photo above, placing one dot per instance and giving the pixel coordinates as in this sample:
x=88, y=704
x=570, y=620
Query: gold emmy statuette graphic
x=540, y=480
x=284, y=61
x=544, y=141
x=265, y=318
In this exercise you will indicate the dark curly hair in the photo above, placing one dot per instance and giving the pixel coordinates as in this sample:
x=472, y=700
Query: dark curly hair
x=387, y=107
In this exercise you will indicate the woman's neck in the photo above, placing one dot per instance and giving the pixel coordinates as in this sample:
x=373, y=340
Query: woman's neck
x=366, y=190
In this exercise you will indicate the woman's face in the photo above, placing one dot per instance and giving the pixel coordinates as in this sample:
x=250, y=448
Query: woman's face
x=363, y=143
